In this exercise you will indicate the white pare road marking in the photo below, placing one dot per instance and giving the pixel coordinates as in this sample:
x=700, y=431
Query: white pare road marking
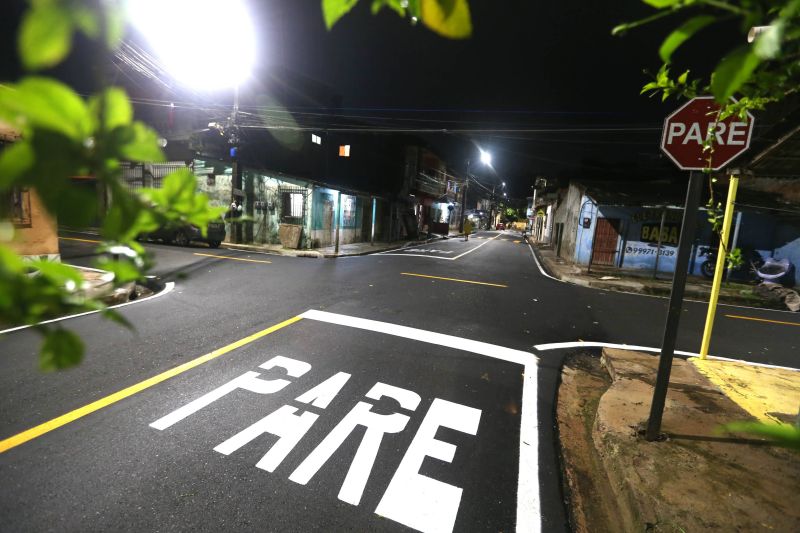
x=411, y=498
x=439, y=257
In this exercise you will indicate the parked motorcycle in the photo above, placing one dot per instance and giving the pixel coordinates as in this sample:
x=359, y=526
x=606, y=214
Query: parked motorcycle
x=747, y=271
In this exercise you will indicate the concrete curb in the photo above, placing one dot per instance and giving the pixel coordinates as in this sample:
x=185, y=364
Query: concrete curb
x=633, y=286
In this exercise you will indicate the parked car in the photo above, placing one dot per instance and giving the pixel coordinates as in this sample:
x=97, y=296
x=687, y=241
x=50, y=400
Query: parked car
x=183, y=234
x=500, y=226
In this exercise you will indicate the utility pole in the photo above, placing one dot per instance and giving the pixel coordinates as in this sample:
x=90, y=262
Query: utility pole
x=464, y=200
x=338, y=217
x=236, y=173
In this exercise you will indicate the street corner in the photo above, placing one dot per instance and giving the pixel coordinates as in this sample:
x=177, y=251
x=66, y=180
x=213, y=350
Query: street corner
x=615, y=478
x=770, y=394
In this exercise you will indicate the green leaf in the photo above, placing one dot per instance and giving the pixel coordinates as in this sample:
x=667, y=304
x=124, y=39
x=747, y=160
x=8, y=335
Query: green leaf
x=45, y=36
x=449, y=18
x=118, y=109
x=682, y=34
x=15, y=162
x=333, y=10
x=135, y=142
x=660, y=4
x=781, y=434
x=733, y=72
x=61, y=349
x=86, y=20
x=768, y=44
x=44, y=103
x=414, y=9
x=115, y=25
x=683, y=77
x=123, y=270
x=58, y=273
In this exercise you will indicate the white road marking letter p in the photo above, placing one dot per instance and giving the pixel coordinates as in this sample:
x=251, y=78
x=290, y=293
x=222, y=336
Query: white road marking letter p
x=247, y=381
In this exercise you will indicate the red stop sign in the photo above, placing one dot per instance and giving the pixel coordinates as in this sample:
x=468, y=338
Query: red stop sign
x=686, y=129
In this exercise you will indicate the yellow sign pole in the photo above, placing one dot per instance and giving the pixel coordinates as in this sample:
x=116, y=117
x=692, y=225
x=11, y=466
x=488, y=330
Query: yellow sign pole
x=720, y=267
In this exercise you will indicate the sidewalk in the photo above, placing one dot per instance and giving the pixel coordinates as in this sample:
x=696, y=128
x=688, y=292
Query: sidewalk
x=697, y=479
x=345, y=250
x=642, y=282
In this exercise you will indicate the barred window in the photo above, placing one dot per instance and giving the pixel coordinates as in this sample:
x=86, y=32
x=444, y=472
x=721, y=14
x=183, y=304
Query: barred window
x=292, y=207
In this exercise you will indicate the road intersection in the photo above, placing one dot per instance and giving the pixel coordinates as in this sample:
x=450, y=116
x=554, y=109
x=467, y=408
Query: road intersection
x=384, y=392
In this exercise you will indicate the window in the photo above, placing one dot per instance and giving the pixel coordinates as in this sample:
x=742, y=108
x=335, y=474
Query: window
x=316, y=139
x=344, y=150
x=348, y=211
x=292, y=207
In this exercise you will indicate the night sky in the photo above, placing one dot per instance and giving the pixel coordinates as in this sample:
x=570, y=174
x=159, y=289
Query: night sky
x=529, y=65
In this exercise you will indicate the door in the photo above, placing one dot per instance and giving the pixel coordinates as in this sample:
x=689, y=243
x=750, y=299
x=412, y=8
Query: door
x=606, y=237
x=328, y=227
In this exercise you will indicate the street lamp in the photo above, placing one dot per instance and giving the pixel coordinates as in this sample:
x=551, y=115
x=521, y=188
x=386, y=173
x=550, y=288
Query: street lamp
x=205, y=62
x=201, y=61
x=486, y=158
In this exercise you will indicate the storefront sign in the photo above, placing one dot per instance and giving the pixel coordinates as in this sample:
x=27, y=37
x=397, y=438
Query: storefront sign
x=669, y=236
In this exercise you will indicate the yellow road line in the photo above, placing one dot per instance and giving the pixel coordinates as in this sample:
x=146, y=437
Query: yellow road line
x=517, y=242
x=79, y=240
x=764, y=320
x=234, y=258
x=454, y=279
x=64, y=419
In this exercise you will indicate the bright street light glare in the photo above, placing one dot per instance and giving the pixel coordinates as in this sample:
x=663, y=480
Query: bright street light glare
x=504, y=184
x=206, y=44
x=486, y=158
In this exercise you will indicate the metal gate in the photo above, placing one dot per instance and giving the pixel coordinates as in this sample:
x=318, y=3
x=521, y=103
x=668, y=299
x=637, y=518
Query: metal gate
x=606, y=236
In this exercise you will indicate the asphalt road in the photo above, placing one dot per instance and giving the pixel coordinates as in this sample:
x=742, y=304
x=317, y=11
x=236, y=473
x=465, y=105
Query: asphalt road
x=389, y=392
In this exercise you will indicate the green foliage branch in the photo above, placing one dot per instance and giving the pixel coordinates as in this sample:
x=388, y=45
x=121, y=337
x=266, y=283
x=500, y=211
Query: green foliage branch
x=65, y=135
x=448, y=18
x=757, y=74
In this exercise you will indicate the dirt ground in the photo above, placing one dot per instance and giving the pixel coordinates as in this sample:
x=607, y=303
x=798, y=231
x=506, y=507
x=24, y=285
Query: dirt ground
x=695, y=480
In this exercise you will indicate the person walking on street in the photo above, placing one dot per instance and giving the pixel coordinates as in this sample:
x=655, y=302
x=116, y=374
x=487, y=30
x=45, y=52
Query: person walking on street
x=467, y=229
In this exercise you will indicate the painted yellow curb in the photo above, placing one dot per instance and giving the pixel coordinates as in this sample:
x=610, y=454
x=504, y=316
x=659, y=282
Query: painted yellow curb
x=769, y=394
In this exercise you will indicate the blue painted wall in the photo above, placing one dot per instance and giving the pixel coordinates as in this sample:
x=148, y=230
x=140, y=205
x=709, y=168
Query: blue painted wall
x=764, y=233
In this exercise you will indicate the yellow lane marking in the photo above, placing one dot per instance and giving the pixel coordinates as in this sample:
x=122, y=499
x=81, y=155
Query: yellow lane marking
x=454, y=279
x=64, y=419
x=764, y=320
x=769, y=394
x=79, y=240
x=234, y=258
x=517, y=242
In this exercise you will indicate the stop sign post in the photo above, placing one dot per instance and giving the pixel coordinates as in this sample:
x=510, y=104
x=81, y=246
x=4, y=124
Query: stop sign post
x=684, y=138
